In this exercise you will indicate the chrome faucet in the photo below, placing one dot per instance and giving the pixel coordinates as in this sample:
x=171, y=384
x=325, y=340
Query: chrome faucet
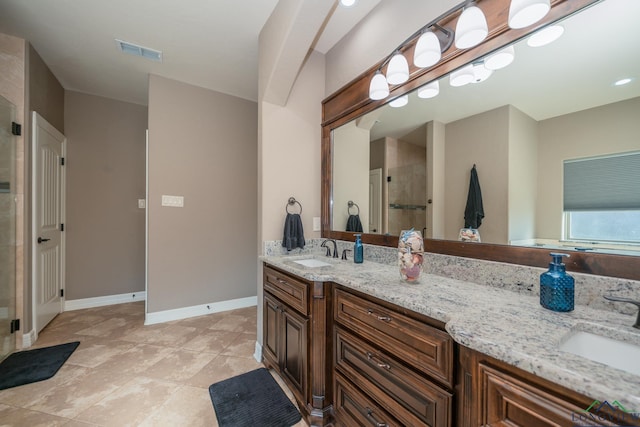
x=630, y=301
x=335, y=247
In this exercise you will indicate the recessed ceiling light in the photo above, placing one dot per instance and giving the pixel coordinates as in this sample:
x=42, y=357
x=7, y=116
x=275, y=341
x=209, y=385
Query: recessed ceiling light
x=622, y=82
x=134, y=49
x=348, y=3
x=545, y=36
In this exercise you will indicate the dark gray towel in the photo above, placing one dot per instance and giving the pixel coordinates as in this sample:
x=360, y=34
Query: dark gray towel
x=354, y=224
x=293, y=232
x=474, y=211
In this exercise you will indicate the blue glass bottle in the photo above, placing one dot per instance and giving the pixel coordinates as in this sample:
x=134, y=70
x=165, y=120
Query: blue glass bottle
x=358, y=250
x=557, y=288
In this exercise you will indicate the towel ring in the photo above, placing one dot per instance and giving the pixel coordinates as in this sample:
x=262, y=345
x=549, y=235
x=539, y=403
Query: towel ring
x=292, y=201
x=351, y=204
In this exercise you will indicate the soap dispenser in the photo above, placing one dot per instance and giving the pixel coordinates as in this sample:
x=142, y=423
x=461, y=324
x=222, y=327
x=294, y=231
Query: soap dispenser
x=358, y=250
x=556, y=286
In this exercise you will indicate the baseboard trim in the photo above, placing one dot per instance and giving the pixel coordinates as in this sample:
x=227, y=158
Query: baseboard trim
x=199, y=310
x=258, y=353
x=29, y=338
x=79, y=304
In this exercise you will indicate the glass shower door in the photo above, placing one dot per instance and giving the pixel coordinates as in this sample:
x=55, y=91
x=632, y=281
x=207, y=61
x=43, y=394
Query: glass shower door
x=7, y=228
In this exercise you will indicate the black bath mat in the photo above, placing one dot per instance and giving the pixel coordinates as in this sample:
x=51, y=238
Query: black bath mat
x=29, y=366
x=252, y=399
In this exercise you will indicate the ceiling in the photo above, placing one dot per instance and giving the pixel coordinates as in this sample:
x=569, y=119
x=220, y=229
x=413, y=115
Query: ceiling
x=576, y=72
x=208, y=43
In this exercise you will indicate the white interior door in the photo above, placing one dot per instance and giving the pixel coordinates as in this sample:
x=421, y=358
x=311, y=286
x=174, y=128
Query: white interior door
x=375, y=201
x=48, y=217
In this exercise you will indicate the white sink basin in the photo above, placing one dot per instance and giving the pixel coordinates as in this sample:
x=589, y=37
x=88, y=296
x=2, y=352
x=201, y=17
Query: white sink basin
x=617, y=354
x=311, y=262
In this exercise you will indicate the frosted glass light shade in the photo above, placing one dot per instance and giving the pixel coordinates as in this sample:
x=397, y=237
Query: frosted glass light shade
x=348, y=3
x=500, y=59
x=463, y=76
x=427, y=52
x=480, y=73
x=471, y=28
x=400, y=101
x=545, y=36
x=378, y=88
x=397, y=70
x=523, y=13
x=430, y=90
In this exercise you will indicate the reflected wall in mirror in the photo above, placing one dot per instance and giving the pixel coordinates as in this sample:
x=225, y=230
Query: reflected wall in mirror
x=409, y=167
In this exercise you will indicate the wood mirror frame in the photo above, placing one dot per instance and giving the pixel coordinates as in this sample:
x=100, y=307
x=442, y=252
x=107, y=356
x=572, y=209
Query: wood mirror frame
x=352, y=101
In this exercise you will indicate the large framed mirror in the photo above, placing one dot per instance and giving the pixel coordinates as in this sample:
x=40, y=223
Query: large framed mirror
x=553, y=106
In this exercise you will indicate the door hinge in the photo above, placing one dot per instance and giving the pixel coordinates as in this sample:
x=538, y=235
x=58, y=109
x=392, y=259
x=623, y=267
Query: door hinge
x=16, y=129
x=61, y=227
x=61, y=293
x=15, y=325
x=388, y=179
x=62, y=161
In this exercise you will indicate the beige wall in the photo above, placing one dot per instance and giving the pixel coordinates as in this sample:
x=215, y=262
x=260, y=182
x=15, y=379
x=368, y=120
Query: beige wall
x=105, y=177
x=598, y=131
x=523, y=174
x=12, y=87
x=46, y=94
x=351, y=170
x=435, y=180
x=202, y=146
x=482, y=140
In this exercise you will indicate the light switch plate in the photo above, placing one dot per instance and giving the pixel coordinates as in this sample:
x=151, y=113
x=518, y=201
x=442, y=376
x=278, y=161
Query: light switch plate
x=316, y=223
x=142, y=203
x=173, y=201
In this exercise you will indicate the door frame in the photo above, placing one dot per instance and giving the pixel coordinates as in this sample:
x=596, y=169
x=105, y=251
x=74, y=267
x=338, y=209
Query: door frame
x=35, y=117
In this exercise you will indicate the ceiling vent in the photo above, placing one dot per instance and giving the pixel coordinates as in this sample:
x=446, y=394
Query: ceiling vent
x=134, y=49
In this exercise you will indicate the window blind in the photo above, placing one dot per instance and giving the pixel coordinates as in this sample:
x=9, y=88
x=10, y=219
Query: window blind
x=602, y=183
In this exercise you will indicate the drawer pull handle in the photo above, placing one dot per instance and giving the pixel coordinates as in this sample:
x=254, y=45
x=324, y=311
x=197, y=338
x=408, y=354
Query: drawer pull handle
x=283, y=282
x=377, y=423
x=381, y=363
x=382, y=318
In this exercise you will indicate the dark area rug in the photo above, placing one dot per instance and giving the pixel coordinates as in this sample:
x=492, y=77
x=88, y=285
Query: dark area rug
x=29, y=366
x=252, y=399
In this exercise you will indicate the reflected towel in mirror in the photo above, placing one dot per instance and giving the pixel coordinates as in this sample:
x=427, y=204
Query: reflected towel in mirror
x=354, y=224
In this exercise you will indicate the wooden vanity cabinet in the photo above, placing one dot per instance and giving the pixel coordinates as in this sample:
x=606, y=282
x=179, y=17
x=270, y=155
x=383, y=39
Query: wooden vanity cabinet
x=296, y=317
x=493, y=393
x=391, y=366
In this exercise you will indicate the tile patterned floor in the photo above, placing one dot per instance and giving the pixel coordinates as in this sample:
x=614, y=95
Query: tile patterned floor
x=127, y=374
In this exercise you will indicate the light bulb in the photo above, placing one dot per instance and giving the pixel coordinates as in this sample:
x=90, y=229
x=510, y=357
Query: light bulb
x=430, y=90
x=427, y=52
x=397, y=70
x=378, y=88
x=545, y=36
x=463, y=76
x=523, y=13
x=400, y=101
x=500, y=59
x=471, y=28
x=347, y=3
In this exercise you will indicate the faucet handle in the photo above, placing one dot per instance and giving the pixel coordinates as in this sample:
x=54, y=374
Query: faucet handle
x=630, y=301
x=344, y=253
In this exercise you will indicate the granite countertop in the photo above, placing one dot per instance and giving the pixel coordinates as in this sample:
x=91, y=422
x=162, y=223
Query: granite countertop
x=503, y=324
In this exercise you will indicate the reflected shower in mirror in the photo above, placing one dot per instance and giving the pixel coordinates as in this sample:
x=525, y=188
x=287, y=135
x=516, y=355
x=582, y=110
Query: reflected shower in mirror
x=409, y=166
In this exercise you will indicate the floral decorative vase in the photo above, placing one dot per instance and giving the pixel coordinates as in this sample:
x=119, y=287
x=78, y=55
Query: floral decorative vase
x=410, y=255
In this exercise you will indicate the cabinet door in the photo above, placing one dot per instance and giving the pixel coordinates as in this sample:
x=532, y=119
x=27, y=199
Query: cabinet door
x=271, y=313
x=294, y=348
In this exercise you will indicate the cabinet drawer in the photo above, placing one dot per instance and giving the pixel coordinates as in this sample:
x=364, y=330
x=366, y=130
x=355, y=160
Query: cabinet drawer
x=506, y=400
x=426, y=348
x=288, y=289
x=352, y=408
x=385, y=379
